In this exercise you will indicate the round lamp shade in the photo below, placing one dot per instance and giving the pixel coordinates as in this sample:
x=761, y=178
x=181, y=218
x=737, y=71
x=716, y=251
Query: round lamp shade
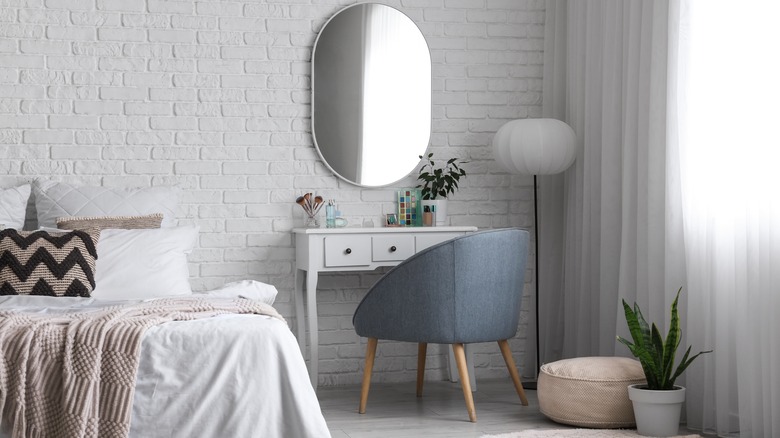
x=535, y=146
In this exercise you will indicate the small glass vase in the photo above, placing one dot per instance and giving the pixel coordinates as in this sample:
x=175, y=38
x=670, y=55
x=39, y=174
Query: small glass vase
x=311, y=221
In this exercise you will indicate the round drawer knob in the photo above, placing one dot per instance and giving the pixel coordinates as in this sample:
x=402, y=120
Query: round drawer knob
x=348, y=251
x=393, y=248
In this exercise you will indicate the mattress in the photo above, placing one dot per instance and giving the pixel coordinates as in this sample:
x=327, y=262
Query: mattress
x=226, y=376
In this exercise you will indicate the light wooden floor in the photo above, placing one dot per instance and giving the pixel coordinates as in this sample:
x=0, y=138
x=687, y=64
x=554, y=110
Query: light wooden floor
x=393, y=411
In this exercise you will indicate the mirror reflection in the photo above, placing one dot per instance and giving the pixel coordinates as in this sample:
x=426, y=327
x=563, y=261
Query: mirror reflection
x=371, y=95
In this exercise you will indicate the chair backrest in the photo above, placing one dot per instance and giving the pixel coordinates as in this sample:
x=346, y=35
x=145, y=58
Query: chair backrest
x=465, y=290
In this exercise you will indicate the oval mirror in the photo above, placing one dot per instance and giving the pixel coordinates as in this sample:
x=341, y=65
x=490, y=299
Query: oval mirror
x=371, y=94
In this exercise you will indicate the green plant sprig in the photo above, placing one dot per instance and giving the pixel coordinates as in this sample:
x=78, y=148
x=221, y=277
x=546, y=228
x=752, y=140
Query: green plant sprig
x=439, y=182
x=657, y=355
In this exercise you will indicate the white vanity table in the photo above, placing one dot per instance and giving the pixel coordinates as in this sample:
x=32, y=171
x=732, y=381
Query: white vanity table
x=351, y=249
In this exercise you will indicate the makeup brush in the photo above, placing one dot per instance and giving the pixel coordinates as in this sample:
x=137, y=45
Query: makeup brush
x=317, y=203
x=302, y=202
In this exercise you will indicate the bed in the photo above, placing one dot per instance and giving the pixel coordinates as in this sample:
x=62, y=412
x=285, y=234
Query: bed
x=221, y=374
x=230, y=375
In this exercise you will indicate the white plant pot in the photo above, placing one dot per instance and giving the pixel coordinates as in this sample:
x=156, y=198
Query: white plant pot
x=441, y=210
x=657, y=413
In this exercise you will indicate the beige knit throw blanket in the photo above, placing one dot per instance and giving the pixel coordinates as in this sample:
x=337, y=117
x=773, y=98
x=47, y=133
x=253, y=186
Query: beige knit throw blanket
x=73, y=374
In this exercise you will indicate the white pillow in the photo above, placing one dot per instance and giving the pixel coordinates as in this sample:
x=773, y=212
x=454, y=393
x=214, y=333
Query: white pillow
x=250, y=289
x=56, y=199
x=147, y=263
x=13, y=206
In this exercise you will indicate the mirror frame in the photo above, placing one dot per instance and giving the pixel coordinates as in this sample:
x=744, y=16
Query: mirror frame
x=313, y=99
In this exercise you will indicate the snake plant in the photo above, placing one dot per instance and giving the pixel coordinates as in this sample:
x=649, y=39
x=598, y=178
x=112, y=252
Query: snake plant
x=655, y=354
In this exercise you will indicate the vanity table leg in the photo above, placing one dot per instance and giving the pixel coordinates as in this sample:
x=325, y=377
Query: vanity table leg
x=300, y=316
x=311, y=308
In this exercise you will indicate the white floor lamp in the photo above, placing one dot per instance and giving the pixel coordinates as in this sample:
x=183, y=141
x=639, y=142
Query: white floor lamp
x=535, y=147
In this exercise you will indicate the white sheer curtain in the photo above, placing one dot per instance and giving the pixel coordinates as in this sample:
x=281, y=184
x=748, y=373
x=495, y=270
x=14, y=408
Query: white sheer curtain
x=677, y=184
x=605, y=75
x=730, y=180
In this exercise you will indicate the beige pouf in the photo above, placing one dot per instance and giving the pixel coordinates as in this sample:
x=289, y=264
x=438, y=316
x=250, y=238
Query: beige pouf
x=589, y=391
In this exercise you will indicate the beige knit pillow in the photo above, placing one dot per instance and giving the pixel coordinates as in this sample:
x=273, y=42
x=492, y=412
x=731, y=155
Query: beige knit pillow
x=589, y=391
x=112, y=222
x=42, y=263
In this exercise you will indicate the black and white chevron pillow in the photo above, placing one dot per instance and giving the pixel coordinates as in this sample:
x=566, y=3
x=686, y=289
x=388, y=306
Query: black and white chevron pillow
x=42, y=263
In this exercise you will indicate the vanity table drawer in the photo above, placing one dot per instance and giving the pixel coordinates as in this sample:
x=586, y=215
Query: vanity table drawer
x=392, y=248
x=347, y=251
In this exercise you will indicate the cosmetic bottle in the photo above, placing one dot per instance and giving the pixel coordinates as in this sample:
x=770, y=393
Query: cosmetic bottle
x=433, y=215
x=427, y=216
x=330, y=214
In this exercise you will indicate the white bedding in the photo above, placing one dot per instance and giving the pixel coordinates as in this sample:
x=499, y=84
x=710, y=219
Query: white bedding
x=227, y=376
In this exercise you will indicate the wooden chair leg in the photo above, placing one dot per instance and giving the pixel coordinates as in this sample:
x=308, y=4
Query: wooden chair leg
x=510, y=364
x=422, y=349
x=463, y=372
x=370, y=353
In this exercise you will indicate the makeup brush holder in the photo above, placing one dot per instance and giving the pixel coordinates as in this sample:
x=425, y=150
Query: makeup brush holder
x=311, y=205
x=311, y=221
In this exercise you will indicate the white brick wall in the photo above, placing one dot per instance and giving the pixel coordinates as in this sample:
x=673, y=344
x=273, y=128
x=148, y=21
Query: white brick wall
x=214, y=96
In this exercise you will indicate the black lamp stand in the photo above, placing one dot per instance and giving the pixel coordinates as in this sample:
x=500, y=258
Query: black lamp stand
x=532, y=384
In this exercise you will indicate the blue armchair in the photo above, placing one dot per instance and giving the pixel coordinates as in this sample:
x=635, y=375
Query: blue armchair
x=462, y=291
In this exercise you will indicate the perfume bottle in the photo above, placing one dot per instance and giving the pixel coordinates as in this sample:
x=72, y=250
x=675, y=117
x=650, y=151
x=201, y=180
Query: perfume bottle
x=330, y=214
